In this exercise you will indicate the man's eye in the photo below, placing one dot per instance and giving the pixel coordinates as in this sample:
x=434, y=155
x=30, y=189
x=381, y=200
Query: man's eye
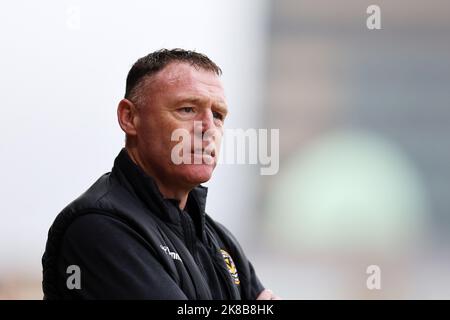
x=187, y=109
x=217, y=115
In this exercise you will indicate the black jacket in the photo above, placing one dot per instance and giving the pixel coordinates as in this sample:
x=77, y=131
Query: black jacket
x=131, y=243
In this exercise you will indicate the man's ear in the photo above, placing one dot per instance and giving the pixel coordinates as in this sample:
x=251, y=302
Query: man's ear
x=127, y=116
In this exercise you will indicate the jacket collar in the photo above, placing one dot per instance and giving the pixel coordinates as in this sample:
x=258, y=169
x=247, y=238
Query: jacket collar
x=145, y=188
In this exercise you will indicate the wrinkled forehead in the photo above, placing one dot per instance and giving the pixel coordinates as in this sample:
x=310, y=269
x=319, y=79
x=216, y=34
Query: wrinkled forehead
x=182, y=78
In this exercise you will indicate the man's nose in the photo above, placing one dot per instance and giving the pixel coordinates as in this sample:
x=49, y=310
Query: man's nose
x=207, y=120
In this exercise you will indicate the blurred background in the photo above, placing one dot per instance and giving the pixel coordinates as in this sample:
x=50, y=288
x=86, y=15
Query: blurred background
x=363, y=118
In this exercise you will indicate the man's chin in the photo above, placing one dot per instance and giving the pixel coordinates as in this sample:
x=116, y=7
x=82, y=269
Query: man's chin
x=198, y=173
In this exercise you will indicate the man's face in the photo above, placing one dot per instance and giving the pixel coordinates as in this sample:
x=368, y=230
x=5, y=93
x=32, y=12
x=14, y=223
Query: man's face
x=174, y=98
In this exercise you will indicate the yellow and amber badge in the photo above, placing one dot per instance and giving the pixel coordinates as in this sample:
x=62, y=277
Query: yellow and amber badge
x=231, y=266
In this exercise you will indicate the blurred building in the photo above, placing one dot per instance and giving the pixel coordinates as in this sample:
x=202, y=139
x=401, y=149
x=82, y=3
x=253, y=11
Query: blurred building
x=364, y=121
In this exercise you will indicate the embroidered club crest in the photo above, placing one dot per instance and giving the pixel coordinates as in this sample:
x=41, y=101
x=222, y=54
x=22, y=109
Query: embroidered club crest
x=231, y=266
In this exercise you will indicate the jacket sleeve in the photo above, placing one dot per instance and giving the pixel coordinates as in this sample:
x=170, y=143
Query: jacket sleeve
x=113, y=261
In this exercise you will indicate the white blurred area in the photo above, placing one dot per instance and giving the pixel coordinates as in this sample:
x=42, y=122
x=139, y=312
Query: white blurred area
x=364, y=121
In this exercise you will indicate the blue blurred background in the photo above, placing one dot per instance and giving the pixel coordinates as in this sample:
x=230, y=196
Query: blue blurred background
x=364, y=120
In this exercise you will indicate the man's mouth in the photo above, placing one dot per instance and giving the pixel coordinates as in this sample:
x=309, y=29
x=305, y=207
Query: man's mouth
x=204, y=152
x=204, y=155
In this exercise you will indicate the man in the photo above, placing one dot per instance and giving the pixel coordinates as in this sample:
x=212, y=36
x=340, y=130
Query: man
x=140, y=231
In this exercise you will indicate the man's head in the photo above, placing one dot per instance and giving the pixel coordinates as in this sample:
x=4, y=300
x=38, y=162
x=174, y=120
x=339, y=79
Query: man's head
x=169, y=90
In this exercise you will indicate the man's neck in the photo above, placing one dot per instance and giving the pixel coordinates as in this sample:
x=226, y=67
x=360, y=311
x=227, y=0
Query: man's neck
x=179, y=195
x=168, y=191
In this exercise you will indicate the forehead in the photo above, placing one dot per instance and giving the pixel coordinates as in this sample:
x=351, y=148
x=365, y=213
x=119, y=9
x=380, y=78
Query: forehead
x=182, y=79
